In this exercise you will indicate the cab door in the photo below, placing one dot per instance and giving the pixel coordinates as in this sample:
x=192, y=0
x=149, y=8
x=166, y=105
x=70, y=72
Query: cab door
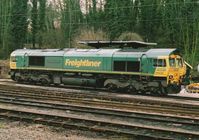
x=21, y=61
x=144, y=64
x=25, y=60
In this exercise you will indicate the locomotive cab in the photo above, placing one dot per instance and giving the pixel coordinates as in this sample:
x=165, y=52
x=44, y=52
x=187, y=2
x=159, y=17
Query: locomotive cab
x=176, y=72
x=175, y=69
x=13, y=62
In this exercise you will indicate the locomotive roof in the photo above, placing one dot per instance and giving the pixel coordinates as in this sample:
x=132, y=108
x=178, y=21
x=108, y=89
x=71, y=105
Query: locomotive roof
x=100, y=44
x=96, y=52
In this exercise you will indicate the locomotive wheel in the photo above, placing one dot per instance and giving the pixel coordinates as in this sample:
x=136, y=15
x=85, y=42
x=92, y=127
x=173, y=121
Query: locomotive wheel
x=32, y=82
x=44, y=82
x=56, y=84
x=18, y=79
x=13, y=77
x=163, y=91
x=173, y=89
x=130, y=89
x=111, y=87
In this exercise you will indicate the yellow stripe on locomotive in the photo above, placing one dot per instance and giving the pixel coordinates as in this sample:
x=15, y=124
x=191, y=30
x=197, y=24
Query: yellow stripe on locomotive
x=143, y=70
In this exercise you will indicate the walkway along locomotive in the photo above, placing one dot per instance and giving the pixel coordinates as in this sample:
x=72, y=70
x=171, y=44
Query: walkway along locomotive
x=159, y=71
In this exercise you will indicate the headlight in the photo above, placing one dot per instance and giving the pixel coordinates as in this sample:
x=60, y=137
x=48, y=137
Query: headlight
x=170, y=76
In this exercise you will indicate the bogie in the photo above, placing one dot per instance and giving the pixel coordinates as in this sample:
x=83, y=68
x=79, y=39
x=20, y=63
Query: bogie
x=157, y=71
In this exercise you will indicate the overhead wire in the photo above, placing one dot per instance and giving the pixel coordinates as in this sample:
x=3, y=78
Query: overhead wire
x=87, y=23
x=111, y=8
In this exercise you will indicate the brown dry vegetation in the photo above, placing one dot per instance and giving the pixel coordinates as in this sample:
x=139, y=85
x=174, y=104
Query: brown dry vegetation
x=88, y=34
x=130, y=36
x=4, y=68
x=91, y=34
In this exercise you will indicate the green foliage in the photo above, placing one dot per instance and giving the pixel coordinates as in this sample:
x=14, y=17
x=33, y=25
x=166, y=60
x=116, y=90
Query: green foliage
x=5, y=11
x=70, y=19
x=42, y=15
x=18, y=24
x=119, y=18
x=150, y=18
x=183, y=23
x=41, y=22
x=34, y=21
x=52, y=39
x=173, y=23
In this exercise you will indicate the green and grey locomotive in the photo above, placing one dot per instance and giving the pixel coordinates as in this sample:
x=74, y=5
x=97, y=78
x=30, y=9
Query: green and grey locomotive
x=135, y=70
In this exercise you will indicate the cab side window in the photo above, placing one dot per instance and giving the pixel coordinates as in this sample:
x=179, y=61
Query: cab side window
x=159, y=62
x=13, y=59
x=179, y=62
x=172, y=62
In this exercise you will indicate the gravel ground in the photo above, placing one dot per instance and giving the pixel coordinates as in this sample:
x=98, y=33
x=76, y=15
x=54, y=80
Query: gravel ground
x=24, y=131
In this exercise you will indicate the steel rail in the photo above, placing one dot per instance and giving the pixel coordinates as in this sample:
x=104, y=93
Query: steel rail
x=113, y=97
x=123, y=106
x=101, y=111
x=183, y=103
x=91, y=92
x=163, y=100
x=98, y=125
x=24, y=99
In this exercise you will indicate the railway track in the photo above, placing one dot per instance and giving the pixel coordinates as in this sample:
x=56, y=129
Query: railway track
x=99, y=126
x=128, y=128
x=96, y=93
x=104, y=96
x=101, y=111
x=191, y=110
x=178, y=107
x=96, y=90
x=161, y=121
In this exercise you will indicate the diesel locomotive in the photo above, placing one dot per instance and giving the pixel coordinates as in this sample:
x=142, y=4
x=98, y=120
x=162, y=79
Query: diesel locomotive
x=130, y=66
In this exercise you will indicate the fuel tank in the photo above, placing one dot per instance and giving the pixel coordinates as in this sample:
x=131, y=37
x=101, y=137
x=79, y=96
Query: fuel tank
x=79, y=81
